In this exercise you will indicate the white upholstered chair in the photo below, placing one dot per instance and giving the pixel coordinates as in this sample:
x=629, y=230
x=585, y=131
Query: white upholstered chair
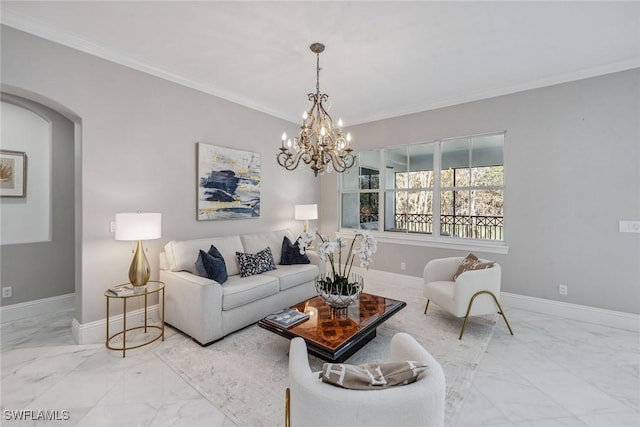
x=310, y=402
x=473, y=293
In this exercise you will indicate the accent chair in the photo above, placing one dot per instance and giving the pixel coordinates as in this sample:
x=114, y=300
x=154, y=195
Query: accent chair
x=311, y=402
x=472, y=293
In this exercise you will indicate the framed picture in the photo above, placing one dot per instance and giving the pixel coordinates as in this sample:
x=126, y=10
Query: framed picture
x=13, y=173
x=228, y=183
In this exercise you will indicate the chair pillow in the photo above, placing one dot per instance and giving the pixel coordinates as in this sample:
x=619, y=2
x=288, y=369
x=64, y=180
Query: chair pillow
x=470, y=263
x=291, y=253
x=251, y=264
x=372, y=376
x=212, y=264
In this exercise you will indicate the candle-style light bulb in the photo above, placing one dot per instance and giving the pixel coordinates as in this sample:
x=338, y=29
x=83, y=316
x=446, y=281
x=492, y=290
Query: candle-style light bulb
x=340, y=123
x=322, y=131
x=304, y=116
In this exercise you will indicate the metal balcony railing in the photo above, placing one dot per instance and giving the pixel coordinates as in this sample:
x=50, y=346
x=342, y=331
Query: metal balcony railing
x=466, y=227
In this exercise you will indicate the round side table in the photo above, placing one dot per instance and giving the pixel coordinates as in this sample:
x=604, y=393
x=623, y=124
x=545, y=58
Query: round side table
x=152, y=287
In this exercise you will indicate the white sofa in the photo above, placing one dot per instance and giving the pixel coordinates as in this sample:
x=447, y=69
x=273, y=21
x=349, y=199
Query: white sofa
x=206, y=310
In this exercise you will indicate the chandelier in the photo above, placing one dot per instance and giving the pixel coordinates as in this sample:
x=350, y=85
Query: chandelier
x=318, y=144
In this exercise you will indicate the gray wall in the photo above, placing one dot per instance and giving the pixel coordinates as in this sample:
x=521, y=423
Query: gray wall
x=137, y=141
x=46, y=269
x=572, y=172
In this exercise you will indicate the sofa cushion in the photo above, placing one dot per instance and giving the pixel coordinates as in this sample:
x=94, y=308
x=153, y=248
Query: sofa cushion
x=251, y=264
x=273, y=239
x=213, y=265
x=294, y=275
x=181, y=255
x=372, y=376
x=470, y=263
x=291, y=253
x=238, y=291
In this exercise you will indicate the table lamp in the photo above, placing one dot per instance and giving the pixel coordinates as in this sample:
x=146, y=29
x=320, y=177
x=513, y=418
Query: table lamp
x=306, y=212
x=138, y=226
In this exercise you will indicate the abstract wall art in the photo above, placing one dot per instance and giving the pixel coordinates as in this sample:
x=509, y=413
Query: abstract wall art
x=228, y=183
x=13, y=173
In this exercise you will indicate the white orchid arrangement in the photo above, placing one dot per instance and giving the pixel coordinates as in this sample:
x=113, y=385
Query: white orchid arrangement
x=363, y=245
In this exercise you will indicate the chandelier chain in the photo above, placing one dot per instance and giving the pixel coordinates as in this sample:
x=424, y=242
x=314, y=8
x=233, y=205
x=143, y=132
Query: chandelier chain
x=318, y=72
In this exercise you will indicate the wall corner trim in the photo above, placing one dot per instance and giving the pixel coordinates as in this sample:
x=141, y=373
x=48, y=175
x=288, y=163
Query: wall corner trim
x=600, y=316
x=583, y=313
x=9, y=313
x=95, y=332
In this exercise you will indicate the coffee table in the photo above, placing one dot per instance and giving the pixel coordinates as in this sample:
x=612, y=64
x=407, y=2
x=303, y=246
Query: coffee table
x=335, y=335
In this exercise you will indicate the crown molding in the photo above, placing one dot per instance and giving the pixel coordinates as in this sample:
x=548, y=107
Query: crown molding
x=40, y=29
x=497, y=91
x=19, y=22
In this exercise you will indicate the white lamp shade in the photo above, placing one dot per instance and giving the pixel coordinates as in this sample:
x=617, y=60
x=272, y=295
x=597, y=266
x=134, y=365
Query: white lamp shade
x=138, y=226
x=306, y=212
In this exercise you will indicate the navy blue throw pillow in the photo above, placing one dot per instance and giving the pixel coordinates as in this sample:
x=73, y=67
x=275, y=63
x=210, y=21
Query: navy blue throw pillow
x=291, y=253
x=213, y=264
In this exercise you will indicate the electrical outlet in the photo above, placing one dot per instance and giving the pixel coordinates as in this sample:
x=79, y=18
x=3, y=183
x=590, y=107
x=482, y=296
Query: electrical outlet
x=563, y=289
x=403, y=266
x=6, y=292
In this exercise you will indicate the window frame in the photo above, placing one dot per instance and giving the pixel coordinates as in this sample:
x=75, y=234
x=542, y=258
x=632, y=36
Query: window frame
x=424, y=239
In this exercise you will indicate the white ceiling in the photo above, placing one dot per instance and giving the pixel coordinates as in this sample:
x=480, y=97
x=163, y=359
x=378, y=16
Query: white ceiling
x=382, y=59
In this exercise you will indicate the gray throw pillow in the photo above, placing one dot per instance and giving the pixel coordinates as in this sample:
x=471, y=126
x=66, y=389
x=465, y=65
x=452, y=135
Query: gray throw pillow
x=372, y=376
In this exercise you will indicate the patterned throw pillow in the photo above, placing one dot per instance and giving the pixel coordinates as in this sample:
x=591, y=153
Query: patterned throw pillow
x=372, y=376
x=212, y=265
x=251, y=264
x=291, y=253
x=471, y=262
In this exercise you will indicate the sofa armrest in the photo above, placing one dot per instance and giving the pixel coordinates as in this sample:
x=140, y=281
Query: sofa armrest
x=193, y=305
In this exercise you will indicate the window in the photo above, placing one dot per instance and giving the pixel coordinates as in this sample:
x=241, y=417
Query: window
x=361, y=193
x=449, y=188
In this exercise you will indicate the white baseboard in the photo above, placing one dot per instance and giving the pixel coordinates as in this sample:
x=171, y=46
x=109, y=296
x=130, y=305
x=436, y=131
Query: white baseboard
x=615, y=319
x=9, y=313
x=96, y=332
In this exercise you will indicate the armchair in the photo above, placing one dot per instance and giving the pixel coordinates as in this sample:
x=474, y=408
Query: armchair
x=310, y=402
x=472, y=293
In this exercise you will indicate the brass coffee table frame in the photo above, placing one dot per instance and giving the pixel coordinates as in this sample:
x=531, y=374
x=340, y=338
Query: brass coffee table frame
x=152, y=287
x=335, y=335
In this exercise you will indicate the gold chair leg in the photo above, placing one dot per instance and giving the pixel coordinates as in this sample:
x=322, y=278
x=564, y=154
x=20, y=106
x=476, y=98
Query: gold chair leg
x=287, y=408
x=425, y=309
x=500, y=311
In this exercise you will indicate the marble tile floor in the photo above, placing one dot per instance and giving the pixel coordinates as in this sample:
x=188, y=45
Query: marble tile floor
x=552, y=372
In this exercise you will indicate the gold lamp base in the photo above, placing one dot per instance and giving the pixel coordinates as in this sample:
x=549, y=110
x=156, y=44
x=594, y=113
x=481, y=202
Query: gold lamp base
x=140, y=270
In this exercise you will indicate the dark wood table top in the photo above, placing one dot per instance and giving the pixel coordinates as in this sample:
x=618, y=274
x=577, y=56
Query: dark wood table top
x=330, y=333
